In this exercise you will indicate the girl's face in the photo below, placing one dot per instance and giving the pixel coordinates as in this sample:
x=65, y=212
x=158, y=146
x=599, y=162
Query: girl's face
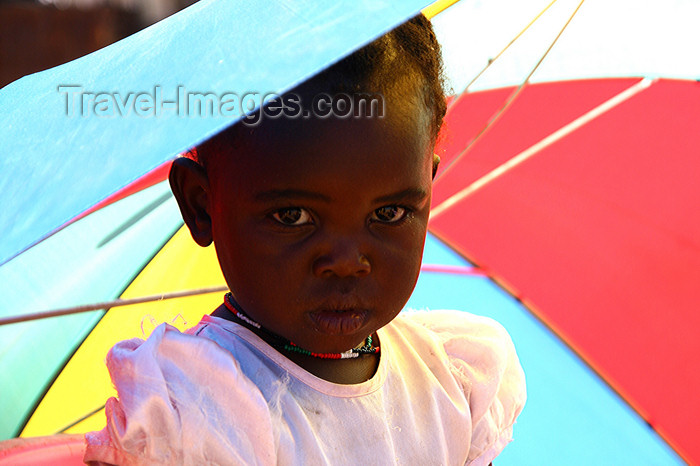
x=319, y=224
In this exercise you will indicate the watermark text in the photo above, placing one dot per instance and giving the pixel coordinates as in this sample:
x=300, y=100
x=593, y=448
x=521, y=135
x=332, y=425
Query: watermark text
x=251, y=107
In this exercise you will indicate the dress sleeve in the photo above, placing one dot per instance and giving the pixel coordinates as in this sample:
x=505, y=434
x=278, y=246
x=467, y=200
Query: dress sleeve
x=182, y=399
x=484, y=362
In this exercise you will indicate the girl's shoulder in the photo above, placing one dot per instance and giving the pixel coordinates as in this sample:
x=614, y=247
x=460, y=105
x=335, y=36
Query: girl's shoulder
x=482, y=359
x=475, y=345
x=463, y=335
x=445, y=321
x=174, y=385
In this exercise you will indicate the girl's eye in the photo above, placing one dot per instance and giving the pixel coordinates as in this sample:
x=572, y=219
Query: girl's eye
x=389, y=214
x=292, y=216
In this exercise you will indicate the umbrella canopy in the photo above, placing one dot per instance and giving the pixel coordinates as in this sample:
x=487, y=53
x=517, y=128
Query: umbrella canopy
x=591, y=229
x=578, y=196
x=134, y=246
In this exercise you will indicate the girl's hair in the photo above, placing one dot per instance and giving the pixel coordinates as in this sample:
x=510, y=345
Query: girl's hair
x=410, y=49
x=407, y=51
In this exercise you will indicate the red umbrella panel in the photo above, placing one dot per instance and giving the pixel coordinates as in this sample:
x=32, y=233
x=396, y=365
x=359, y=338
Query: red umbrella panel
x=582, y=199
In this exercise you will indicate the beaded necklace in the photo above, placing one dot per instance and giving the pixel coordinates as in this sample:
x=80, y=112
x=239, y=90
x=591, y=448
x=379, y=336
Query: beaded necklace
x=287, y=345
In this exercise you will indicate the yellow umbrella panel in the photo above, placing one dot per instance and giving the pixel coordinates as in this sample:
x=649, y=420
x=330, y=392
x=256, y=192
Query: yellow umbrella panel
x=75, y=401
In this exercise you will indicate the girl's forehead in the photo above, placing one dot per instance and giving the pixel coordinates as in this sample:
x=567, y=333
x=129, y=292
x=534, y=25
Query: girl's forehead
x=394, y=150
x=303, y=143
x=315, y=114
x=361, y=140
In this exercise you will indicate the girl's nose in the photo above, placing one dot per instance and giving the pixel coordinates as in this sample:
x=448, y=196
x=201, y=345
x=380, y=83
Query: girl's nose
x=343, y=260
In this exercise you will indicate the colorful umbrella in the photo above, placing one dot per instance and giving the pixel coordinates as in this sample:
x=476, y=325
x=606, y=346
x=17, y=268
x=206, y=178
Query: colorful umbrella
x=572, y=415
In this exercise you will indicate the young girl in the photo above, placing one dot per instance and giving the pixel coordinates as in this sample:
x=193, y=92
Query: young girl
x=319, y=224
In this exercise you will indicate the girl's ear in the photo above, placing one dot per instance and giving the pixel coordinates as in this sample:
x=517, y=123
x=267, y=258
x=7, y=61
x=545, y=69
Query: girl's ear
x=436, y=164
x=190, y=185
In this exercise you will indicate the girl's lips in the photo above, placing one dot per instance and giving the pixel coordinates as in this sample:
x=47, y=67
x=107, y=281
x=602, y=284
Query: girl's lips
x=340, y=322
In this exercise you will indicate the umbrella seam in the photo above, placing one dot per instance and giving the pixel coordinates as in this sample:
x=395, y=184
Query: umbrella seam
x=542, y=144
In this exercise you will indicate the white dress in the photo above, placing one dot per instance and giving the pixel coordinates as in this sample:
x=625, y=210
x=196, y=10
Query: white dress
x=447, y=391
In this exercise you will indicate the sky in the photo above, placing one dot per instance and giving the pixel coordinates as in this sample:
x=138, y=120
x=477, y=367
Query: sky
x=652, y=38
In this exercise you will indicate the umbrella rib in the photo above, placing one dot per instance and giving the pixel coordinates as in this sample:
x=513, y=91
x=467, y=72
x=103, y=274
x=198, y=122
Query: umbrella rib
x=436, y=268
x=493, y=60
x=109, y=304
x=114, y=197
x=510, y=99
x=539, y=146
x=134, y=219
x=81, y=419
x=453, y=269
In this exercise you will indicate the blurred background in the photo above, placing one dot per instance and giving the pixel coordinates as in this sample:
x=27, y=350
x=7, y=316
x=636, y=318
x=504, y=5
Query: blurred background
x=40, y=34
